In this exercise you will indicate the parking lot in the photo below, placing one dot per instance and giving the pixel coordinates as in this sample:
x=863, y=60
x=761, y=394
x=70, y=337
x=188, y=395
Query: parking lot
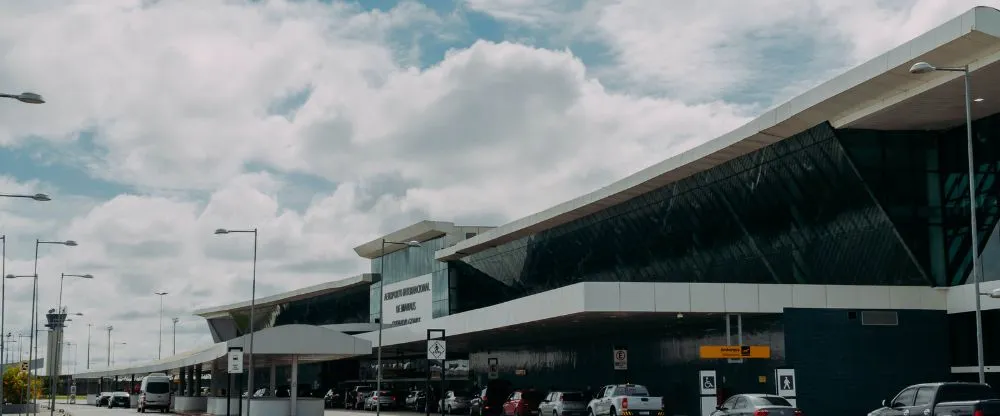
x=85, y=410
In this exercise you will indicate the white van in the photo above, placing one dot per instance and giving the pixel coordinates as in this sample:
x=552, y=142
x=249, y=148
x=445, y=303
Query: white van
x=154, y=393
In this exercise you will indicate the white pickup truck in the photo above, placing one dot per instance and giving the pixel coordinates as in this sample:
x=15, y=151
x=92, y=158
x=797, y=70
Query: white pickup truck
x=625, y=400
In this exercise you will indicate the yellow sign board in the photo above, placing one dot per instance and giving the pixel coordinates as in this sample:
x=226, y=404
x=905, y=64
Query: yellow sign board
x=734, y=351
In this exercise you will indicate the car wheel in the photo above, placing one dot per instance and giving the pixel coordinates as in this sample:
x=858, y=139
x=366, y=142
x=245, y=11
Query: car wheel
x=612, y=412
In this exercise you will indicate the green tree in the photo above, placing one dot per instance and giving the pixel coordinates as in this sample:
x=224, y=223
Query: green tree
x=14, y=382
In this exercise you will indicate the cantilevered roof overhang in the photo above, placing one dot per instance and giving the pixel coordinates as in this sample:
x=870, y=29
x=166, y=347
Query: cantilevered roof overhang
x=311, y=343
x=298, y=294
x=879, y=94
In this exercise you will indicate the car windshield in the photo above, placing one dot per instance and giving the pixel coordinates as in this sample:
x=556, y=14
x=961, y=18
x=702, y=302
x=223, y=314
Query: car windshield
x=572, y=397
x=770, y=401
x=120, y=394
x=532, y=395
x=157, y=388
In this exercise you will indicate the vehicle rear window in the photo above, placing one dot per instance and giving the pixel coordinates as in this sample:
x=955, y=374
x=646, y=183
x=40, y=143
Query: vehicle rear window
x=964, y=392
x=631, y=390
x=770, y=401
x=157, y=387
x=532, y=395
x=572, y=397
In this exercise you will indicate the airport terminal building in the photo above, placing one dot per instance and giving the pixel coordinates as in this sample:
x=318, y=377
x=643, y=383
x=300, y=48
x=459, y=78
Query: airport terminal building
x=833, y=229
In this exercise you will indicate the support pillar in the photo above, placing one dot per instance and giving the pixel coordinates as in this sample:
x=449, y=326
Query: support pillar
x=295, y=385
x=197, y=380
x=183, y=382
x=272, y=383
x=190, y=390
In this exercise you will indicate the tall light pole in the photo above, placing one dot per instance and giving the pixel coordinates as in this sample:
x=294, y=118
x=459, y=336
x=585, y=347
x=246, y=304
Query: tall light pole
x=28, y=98
x=159, y=347
x=109, y=328
x=62, y=279
x=175, y=334
x=31, y=335
x=381, y=315
x=253, y=300
x=3, y=306
x=89, y=327
x=25, y=97
x=112, y=357
x=34, y=298
x=925, y=68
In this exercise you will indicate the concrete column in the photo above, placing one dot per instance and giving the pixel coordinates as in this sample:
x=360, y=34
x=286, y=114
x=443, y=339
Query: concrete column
x=183, y=380
x=272, y=383
x=190, y=392
x=295, y=385
x=197, y=380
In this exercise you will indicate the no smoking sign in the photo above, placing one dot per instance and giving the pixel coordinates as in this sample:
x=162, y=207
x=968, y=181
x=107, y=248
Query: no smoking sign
x=621, y=358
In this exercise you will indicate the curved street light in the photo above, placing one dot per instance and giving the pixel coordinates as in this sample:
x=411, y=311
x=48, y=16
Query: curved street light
x=25, y=97
x=36, y=197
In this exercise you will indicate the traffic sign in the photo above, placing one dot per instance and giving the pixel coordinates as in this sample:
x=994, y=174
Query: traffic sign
x=706, y=379
x=734, y=351
x=621, y=358
x=235, y=361
x=784, y=378
x=437, y=349
x=494, y=368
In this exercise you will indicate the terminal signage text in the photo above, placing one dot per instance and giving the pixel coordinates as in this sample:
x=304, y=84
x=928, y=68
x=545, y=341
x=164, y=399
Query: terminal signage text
x=734, y=351
x=407, y=302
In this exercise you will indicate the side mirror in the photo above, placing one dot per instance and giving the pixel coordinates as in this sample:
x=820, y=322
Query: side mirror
x=720, y=407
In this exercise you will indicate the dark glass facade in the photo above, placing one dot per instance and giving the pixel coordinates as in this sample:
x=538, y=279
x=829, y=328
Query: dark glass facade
x=342, y=307
x=921, y=180
x=822, y=207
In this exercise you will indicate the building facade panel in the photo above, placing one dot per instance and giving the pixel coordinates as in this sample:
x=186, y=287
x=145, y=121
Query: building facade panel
x=794, y=212
x=921, y=180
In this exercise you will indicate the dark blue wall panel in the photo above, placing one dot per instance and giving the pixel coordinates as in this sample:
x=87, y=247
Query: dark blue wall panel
x=844, y=367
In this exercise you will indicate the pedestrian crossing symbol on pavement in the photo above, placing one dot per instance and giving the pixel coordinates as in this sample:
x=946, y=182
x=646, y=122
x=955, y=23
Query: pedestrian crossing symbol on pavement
x=436, y=349
x=788, y=382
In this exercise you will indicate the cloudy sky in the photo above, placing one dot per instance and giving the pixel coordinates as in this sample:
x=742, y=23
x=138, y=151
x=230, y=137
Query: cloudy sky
x=325, y=124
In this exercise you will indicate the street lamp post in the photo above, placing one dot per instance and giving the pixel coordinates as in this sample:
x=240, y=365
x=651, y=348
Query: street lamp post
x=25, y=97
x=159, y=346
x=112, y=357
x=34, y=298
x=31, y=336
x=253, y=300
x=925, y=68
x=89, y=327
x=175, y=334
x=36, y=197
x=109, y=328
x=3, y=305
x=62, y=279
x=381, y=315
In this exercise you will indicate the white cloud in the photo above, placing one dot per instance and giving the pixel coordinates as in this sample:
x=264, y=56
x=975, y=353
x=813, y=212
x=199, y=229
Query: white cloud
x=181, y=95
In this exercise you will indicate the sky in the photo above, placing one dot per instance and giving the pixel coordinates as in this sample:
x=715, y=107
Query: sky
x=327, y=124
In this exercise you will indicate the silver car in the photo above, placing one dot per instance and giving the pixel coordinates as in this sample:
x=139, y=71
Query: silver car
x=756, y=405
x=563, y=403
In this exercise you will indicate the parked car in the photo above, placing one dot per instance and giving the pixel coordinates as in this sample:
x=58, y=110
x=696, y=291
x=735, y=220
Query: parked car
x=615, y=399
x=119, y=399
x=355, y=397
x=380, y=399
x=455, y=401
x=756, y=404
x=563, y=403
x=102, y=399
x=523, y=402
x=490, y=400
x=942, y=399
x=416, y=400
